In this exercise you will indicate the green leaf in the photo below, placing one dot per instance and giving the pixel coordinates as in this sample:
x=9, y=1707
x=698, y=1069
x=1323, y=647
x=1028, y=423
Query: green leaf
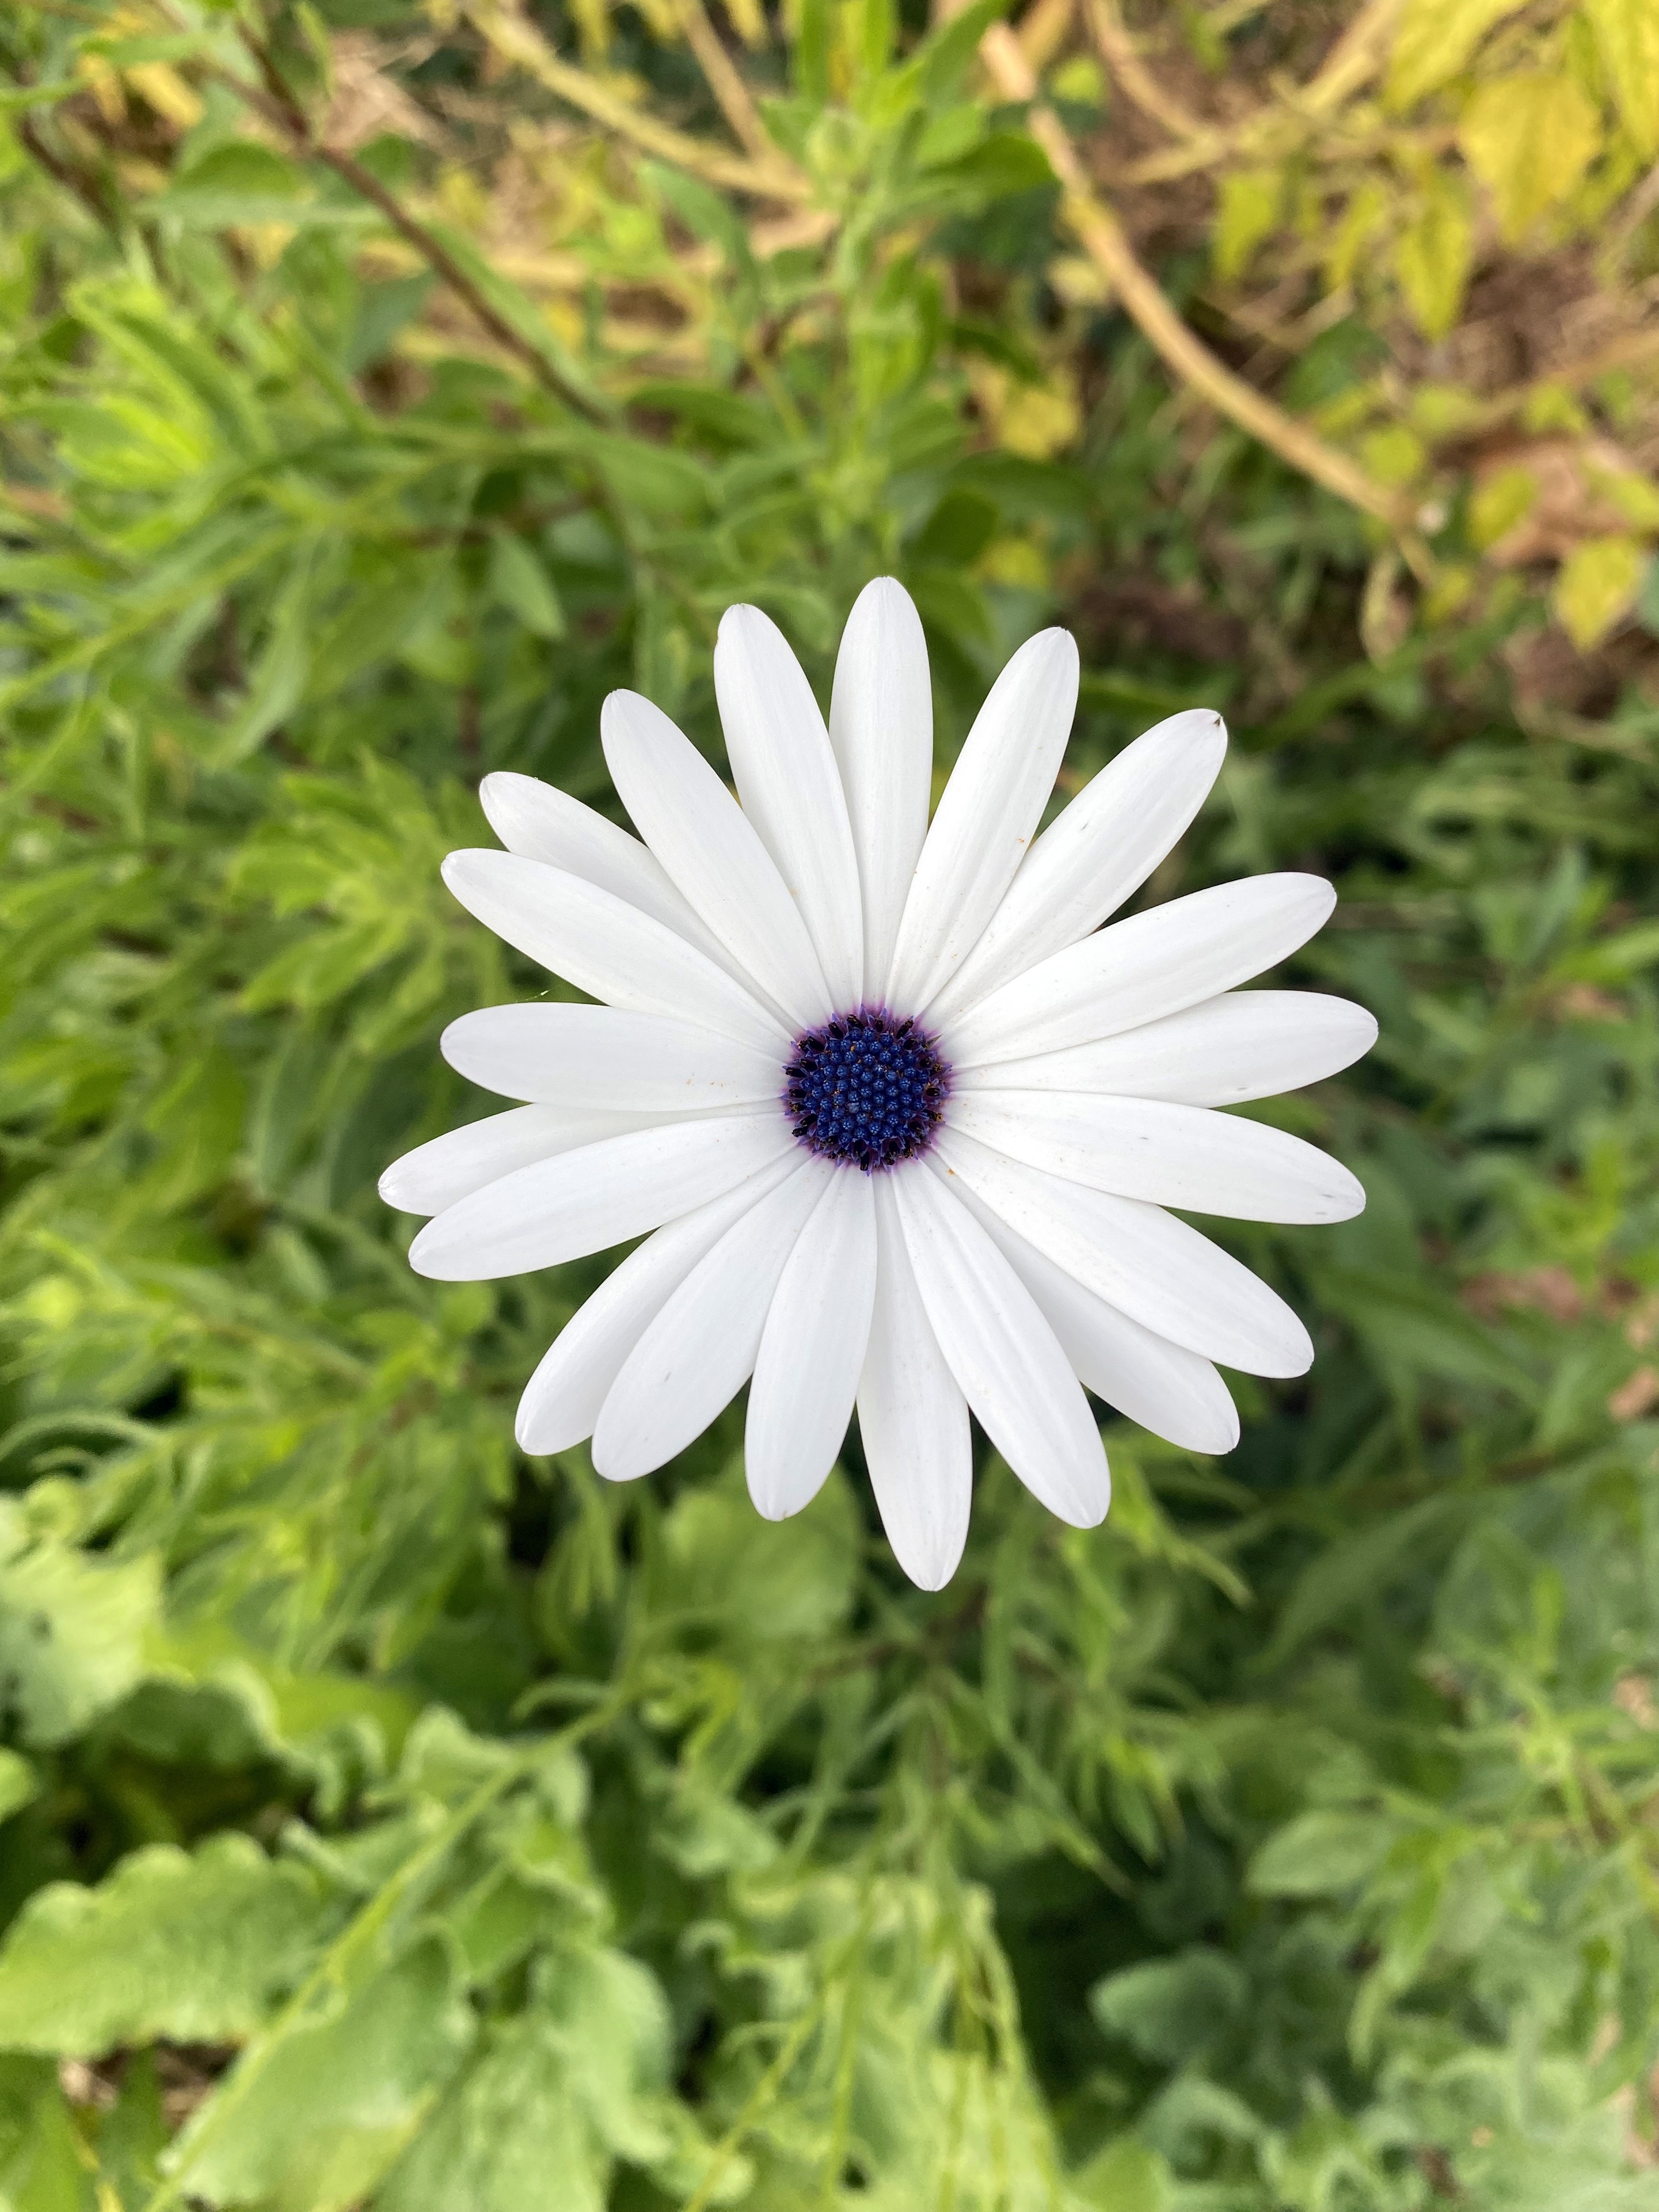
x=1321, y=1854
x=364, y=2068
x=573, y=2082
x=946, y=52
x=1170, y=2008
x=520, y=583
x=20, y=1785
x=1000, y=164
x=712, y=1540
x=193, y=1948
x=42, y=2167
x=1528, y=137
x=72, y=1633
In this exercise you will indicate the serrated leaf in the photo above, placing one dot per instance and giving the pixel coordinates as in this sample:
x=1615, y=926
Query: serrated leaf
x=1598, y=582
x=1528, y=137
x=72, y=1632
x=193, y=1948
x=1434, y=40
x=363, y=2070
x=574, y=2081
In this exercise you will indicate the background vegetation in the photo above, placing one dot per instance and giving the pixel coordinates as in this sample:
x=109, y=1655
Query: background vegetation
x=389, y=1821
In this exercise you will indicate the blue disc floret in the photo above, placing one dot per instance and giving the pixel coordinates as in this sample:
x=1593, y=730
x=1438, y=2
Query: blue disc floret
x=868, y=1088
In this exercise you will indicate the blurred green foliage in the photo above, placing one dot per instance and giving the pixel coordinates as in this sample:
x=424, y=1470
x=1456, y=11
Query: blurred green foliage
x=388, y=1821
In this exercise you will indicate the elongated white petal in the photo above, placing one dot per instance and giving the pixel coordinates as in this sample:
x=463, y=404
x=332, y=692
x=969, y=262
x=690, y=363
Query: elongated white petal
x=713, y=854
x=599, y=1195
x=912, y=1418
x=540, y=823
x=563, y=1398
x=605, y=1056
x=987, y=818
x=1095, y=855
x=881, y=729
x=1151, y=964
x=812, y=1350
x=699, y=1351
x=1186, y=1156
x=1245, y=1044
x=791, y=788
x=1159, y=1270
x=1167, y=1388
x=453, y=1166
x=604, y=946
x=1003, y=1353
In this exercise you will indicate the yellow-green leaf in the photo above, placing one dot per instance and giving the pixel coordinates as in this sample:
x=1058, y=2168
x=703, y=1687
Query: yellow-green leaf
x=1434, y=39
x=1634, y=497
x=1250, y=201
x=1500, y=503
x=1433, y=256
x=1364, y=216
x=1627, y=35
x=1598, y=581
x=1393, y=454
x=1528, y=137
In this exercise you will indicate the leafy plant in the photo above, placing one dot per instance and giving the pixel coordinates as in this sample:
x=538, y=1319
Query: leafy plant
x=391, y=1820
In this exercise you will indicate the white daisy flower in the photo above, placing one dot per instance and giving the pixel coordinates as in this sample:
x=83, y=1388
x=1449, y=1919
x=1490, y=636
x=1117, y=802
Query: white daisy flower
x=903, y=1119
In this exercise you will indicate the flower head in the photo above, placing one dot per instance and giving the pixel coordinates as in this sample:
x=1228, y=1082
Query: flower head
x=902, y=1117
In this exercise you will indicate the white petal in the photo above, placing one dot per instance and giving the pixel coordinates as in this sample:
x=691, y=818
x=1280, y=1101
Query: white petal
x=604, y=1056
x=881, y=729
x=1159, y=1270
x=699, y=1351
x=604, y=946
x=1153, y=963
x=1167, y=1388
x=1245, y=1044
x=1004, y=1354
x=811, y=1349
x=1186, y=1156
x=791, y=788
x=453, y=1166
x=712, y=853
x=541, y=823
x=912, y=1418
x=563, y=1398
x=599, y=1195
x=987, y=818
x=1095, y=855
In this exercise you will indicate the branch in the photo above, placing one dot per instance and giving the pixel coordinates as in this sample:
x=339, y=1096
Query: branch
x=724, y=80
x=517, y=41
x=1117, y=51
x=279, y=107
x=1351, y=64
x=1105, y=240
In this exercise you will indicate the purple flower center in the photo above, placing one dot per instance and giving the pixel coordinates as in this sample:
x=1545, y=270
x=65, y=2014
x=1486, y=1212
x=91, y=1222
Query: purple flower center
x=867, y=1088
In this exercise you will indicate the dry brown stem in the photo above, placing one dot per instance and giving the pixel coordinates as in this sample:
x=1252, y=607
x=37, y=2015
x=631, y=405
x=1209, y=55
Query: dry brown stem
x=1103, y=238
x=510, y=35
x=725, y=80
